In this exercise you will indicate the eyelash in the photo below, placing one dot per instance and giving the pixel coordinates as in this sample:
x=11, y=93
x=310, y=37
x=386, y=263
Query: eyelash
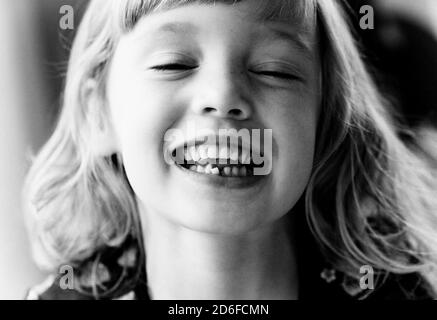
x=172, y=67
x=281, y=75
x=182, y=67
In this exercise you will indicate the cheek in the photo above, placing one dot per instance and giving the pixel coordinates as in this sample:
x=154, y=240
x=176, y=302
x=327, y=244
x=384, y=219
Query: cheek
x=141, y=112
x=294, y=131
x=297, y=150
x=141, y=116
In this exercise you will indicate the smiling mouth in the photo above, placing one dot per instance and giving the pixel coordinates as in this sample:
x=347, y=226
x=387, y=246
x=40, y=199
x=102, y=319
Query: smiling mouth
x=223, y=161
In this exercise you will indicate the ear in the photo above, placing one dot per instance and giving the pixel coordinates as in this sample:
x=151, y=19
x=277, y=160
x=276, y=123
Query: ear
x=103, y=140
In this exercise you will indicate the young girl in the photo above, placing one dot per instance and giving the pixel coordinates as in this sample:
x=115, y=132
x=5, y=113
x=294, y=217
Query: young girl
x=346, y=211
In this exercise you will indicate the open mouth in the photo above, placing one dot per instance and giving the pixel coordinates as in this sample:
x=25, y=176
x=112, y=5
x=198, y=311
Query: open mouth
x=224, y=160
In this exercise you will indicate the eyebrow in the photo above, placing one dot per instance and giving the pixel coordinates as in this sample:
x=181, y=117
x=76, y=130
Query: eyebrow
x=178, y=27
x=278, y=33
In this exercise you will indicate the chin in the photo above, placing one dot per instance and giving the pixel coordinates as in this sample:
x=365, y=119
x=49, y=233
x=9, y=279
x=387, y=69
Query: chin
x=230, y=218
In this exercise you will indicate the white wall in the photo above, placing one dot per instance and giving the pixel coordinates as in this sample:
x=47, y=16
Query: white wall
x=23, y=123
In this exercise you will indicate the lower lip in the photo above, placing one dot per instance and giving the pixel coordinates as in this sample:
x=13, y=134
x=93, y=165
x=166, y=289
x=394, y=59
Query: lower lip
x=220, y=181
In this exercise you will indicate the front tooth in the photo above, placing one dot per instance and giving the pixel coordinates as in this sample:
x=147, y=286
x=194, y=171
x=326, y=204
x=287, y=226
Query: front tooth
x=193, y=168
x=212, y=152
x=245, y=156
x=194, y=154
x=235, y=171
x=203, y=151
x=227, y=171
x=200, y=169
x=208, y=168
x=234, y=154
x=223, y=155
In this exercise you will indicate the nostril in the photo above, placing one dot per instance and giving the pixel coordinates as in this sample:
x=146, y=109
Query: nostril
x=235, y=112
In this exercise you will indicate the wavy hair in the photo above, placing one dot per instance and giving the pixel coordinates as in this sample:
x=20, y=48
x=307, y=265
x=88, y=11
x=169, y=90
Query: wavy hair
x=370, y=199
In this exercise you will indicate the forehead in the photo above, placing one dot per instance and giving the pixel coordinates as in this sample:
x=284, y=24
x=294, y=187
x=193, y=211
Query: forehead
x=301, y=13
x=275, y=17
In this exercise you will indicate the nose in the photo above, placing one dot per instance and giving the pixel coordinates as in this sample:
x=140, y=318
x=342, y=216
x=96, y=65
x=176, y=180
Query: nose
x=222, y=94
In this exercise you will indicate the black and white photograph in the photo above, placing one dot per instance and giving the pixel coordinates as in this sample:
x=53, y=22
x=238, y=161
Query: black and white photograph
x=218, y=151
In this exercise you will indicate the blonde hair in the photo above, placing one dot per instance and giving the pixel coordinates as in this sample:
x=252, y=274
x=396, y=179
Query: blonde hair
x=369, y=200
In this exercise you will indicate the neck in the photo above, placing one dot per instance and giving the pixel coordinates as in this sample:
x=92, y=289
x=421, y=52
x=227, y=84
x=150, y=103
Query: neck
x=183, y=264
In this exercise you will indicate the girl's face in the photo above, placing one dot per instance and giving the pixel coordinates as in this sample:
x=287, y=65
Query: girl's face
x=215, y=67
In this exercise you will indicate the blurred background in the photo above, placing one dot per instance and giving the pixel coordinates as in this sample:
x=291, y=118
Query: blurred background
x=401, y=50
x=33, y=59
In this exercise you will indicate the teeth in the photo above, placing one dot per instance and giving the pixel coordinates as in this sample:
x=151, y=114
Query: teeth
x=245, y=157
x=203, y=151
x=234, y=153
x=203, y=162
x=188, y=156
x=227, y=171
x=212, y=152
x=208, y=168
x=194, y=154
x=224, y=154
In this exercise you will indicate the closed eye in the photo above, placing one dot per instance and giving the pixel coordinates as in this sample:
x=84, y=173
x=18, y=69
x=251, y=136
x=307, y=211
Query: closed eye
x=172, y=67
x=280, y=75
